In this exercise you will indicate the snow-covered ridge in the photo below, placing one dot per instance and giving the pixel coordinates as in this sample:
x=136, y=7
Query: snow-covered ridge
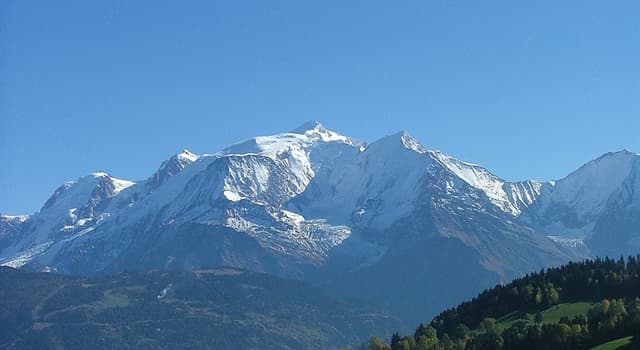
x=590, y=187
x=171, y=167
x=511, y=197
x=74, y=194
x=299, y=140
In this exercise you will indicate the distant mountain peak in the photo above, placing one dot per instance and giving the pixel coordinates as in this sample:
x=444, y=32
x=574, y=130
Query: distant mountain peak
x=400, y=140
x=306, y=136
x=311, y=125
x=186, y=154
x=622, y=154
x=172, y=166
x=412, y=143
x=99, y=174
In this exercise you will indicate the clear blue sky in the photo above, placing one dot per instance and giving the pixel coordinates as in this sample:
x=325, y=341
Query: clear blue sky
x=529, y=89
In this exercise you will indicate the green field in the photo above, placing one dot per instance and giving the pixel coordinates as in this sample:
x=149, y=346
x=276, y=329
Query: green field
x=556, y=312
x=550, y=315
x=622, y=343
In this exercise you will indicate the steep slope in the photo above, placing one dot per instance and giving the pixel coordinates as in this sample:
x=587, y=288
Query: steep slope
x=510, y=197
x=221, y=308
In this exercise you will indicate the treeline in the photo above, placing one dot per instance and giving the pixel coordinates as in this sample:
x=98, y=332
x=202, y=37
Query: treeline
x=472, y=325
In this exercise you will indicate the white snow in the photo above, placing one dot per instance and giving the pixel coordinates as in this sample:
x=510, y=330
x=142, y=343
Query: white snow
x=589, y=188
x=23, y=257
x=571, y=207
x=120, y=184
x=520, y=194
x=232, y=196
x=567, y=241
x=188, y=156
x=298, y=141
x=164, y=292
x=378, y=185
x=16, y=218
x=291, y=217
x=412, y=143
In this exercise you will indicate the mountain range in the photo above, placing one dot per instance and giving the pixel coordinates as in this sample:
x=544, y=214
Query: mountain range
x=411, y=228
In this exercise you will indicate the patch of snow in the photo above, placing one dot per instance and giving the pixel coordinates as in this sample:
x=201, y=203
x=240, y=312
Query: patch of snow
x=164, y=292
x=232, y=196
x=82, y=222
x=567, y=242
x=188, y=156
x=120, y=184
x=14, y=218
x=291, y=217
x=22, y=258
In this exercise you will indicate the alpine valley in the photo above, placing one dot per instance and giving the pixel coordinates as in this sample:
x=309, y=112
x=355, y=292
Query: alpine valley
x=409, y=228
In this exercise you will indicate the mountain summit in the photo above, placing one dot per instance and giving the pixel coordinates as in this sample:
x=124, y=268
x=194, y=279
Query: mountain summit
x=317, y=205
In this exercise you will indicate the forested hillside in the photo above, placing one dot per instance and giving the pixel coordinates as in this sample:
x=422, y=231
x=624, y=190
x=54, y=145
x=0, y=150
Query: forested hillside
x=203, y=309
x=576, y=306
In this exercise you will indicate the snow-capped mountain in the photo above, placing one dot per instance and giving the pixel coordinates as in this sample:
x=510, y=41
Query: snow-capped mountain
x=318, y=205
x=598, y=203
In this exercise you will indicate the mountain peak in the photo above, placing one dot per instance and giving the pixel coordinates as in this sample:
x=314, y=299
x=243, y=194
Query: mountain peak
x=621, y=153
x=188, y=155
x=172, y=166
x=311, y=125
x=625, y=153
x=99, y=174
x=589, y=188
x=412, y=143
x=400, y=140
x=612, y=159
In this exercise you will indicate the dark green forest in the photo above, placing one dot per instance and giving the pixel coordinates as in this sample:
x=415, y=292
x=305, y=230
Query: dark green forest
x=222, y=308
x=512, y=316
